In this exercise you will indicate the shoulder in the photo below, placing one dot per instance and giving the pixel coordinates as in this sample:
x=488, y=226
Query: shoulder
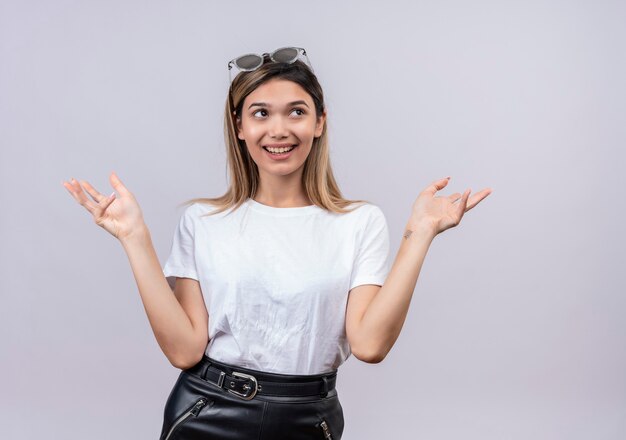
x=367, y=212
x=190, y=212
x=198, y=209
x=364, y=218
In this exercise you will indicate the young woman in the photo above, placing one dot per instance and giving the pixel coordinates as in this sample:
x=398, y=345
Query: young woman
x=294, y=277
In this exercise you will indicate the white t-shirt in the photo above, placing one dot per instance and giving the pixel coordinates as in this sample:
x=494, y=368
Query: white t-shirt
x=275, y=281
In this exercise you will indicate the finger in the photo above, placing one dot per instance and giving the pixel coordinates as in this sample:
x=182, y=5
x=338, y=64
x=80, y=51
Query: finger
x=117, y=184
x=92, y=191
x=463, y=204
x=437, y=185
x=81, y=197
x=70, y=189
x=108, y=201
x=477, y=198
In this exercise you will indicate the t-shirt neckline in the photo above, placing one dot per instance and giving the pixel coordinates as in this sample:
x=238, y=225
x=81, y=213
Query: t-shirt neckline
x=283, y=212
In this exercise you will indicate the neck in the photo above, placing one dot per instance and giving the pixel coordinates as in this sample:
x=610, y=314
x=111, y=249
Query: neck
x=282, y=191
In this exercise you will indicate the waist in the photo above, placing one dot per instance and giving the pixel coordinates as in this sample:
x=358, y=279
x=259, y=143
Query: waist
x=269, y=356
x=246, y=382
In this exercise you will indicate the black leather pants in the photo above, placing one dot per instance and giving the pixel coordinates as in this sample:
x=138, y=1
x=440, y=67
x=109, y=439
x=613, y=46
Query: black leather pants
x=197, y=409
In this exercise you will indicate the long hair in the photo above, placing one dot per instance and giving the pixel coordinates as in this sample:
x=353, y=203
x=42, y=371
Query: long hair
x=317, y=177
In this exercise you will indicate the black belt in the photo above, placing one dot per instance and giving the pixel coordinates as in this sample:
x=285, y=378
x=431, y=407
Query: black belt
x=246, y=383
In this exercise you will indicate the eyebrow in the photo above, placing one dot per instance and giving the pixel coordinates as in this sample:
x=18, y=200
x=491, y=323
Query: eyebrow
x=264, y=104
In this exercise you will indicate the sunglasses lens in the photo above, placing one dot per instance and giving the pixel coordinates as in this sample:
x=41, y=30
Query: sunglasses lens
x=248, y=62
x=285, y=55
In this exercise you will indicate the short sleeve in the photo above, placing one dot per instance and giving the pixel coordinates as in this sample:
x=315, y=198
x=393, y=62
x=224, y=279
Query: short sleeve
x=181, y=261
x=371, y=264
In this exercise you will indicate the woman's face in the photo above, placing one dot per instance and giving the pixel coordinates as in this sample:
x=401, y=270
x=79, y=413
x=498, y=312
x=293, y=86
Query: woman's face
x=279, y=114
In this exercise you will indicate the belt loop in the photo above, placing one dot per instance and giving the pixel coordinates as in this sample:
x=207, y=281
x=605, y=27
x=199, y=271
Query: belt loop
x=204, y=370
x=324, y=387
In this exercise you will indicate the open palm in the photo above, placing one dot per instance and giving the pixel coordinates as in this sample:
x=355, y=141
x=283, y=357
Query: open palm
x=118, y=215
x=442, y=212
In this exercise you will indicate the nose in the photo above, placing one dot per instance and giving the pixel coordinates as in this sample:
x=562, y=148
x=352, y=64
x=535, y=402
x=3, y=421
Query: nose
x=278, y=128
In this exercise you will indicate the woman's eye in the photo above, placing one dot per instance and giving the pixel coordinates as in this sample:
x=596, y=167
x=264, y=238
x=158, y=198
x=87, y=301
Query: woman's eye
x=263, y=112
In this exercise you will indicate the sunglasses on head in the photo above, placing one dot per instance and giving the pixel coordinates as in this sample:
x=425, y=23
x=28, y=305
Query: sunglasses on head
x=252, y=61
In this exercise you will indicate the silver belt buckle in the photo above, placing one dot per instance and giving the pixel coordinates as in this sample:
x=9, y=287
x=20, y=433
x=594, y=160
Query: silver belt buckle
x=245, y=387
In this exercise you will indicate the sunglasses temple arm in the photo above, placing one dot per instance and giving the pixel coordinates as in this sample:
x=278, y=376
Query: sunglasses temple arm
x=308, y=60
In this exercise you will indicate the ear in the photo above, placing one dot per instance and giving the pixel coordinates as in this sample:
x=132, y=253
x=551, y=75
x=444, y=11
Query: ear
x=319, y=125
x=238, y=126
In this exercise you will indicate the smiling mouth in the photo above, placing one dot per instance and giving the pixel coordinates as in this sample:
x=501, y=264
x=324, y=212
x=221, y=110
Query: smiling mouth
x=279, y=150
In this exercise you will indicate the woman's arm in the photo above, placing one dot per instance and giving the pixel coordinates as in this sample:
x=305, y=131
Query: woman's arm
x=375, y=315
x=180, y=320
x=182, y=335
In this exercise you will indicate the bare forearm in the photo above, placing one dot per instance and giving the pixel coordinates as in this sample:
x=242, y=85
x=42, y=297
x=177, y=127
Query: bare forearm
x=383, y=320
x=170, y=324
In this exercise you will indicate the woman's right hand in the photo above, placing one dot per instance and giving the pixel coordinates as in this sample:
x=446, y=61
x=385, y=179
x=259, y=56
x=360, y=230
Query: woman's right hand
x=121, y=216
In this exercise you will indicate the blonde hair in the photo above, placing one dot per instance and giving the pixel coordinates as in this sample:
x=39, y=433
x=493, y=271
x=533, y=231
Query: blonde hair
x=317, y=177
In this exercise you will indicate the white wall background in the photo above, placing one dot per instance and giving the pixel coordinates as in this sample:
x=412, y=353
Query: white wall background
x=516, y=328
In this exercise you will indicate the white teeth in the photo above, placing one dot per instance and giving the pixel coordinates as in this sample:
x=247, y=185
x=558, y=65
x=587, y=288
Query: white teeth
x=279, y=150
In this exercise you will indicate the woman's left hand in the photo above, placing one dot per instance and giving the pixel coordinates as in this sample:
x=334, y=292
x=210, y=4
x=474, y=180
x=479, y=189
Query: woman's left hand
x=442, y=212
